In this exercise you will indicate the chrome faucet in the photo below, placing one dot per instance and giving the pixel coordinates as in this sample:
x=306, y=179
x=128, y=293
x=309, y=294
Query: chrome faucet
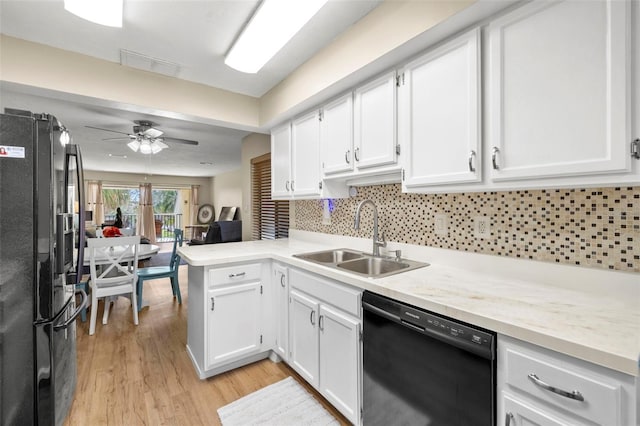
x=377, y=243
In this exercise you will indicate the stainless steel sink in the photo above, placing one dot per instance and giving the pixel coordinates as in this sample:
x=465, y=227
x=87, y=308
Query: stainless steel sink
x=372, y=266
x=361, y=263
x=331, y=256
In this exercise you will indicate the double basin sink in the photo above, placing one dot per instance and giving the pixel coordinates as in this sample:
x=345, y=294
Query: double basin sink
x=361, y=263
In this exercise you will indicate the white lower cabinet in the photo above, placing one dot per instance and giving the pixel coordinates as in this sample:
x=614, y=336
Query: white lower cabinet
x=537, y=386
x=229, y=317
x=281, y=313
x=339, y=359
x=233, y=322
x=325, y=339
x=304, y=356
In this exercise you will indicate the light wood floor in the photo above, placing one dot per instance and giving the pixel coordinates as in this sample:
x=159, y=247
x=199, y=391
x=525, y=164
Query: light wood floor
x=142, y=375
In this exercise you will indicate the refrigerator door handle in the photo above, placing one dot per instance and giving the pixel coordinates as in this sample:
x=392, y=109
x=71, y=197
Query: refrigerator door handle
x=74, y=151
x=83, y=305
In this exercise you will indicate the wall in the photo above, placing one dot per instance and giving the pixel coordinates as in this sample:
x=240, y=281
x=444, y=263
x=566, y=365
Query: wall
x=21, y=62
x=596, y=227
x=206, y=194
x=384, y=29
x=253, y=146
x=227, y=191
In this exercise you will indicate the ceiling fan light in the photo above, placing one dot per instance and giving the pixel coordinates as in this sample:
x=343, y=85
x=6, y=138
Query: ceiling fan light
x=103, y=12
x=270, y=28
x=145, y=147
x=134, y=145
x=155, y=148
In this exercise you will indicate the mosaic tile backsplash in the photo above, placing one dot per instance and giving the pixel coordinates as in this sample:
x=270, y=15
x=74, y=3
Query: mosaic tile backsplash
x=596, y=227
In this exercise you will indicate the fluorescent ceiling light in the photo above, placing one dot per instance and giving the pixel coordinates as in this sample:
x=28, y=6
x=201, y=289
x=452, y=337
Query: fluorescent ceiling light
x=273, y=25
x=103, y=12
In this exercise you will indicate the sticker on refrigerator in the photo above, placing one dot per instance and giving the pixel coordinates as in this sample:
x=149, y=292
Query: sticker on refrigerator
x=7, y=151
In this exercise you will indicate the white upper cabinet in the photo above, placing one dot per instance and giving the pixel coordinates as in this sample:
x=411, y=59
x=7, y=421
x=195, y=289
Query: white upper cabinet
x=375, y=123
x=281, y=161
x=336, y=135
x=559, y=90
x=305, y=154
x=439, y=115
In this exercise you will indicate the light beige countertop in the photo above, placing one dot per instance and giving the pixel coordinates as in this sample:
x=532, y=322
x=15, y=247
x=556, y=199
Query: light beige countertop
x=586, y=313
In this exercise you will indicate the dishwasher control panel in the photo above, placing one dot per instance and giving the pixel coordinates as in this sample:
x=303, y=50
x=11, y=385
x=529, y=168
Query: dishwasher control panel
x=465, y=336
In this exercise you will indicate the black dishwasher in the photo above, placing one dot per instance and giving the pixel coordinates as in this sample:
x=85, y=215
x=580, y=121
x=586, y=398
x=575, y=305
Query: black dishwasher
x=421, y=368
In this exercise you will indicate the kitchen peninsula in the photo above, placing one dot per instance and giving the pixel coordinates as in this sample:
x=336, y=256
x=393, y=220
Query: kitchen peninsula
x=584, y=315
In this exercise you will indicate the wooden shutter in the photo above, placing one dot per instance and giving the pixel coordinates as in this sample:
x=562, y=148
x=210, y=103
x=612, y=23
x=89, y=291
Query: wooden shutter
x=270, y=217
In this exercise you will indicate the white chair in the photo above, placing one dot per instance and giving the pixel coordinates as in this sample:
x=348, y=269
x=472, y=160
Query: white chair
x=113, y=263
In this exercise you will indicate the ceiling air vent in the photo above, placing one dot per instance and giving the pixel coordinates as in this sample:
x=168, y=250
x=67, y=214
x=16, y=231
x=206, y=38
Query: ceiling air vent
x=147, y=63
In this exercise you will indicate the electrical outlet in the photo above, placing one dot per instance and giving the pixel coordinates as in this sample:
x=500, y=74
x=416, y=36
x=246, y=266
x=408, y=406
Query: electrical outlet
x=482, y=226
x=440, y=224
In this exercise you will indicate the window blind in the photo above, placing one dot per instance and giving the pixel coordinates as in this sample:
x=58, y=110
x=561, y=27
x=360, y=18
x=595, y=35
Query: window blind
x=270, y=217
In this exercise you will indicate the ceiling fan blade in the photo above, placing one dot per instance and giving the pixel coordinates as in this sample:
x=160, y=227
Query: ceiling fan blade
x=107, y=130
x=180, y=141
x=118, y=139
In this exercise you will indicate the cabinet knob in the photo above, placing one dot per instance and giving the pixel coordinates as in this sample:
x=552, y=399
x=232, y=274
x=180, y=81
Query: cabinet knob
x=282, y=280
x=356, y=154
x=213, y=303
x=311, y=318
x=292, y=187
x=321, y=323
x=238, y=275
x=347, y=156
x=286, y=185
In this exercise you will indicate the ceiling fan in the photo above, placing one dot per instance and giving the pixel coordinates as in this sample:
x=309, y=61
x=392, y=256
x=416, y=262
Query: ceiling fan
x=146, y=138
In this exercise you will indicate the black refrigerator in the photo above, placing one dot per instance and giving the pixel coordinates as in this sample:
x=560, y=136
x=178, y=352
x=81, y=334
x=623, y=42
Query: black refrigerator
x=41, y=253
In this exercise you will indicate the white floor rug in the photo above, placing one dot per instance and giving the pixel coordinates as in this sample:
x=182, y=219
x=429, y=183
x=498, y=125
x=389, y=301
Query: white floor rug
x=282, y=403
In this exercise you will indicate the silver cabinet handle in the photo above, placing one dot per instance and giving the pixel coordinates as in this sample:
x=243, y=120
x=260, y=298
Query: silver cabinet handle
x=213, y=303
x=507, y=419
x=238, y=275
x=282, y=280
x=286, y=185
x=472, y=157
x=292, y=188
x=574, y=394
x=494, y=157
x=356, y=154
x=313, y=322
x=347, y=156
x=321, y=323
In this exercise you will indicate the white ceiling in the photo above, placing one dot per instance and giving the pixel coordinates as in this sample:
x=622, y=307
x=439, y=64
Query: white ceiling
x=193, y=34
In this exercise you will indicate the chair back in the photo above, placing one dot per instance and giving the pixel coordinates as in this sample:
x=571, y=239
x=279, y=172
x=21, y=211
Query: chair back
x=175, y=257
x=113, y=261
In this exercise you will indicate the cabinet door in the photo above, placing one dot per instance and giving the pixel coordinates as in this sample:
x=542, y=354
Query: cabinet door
x=233, y=324
x=440, y=116
x=305, y=167
x=280, y=162
x=517, y=413
x=303, y=335
x=375, y=123
x=340, y=360
x=281, y=286
x=559, y=87
x=336, y=135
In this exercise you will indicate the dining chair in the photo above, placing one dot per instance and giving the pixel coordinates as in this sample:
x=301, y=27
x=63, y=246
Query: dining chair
x=113, y=265
x=170, y=271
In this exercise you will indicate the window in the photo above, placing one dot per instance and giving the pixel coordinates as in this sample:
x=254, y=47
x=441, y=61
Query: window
x=270, y=217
